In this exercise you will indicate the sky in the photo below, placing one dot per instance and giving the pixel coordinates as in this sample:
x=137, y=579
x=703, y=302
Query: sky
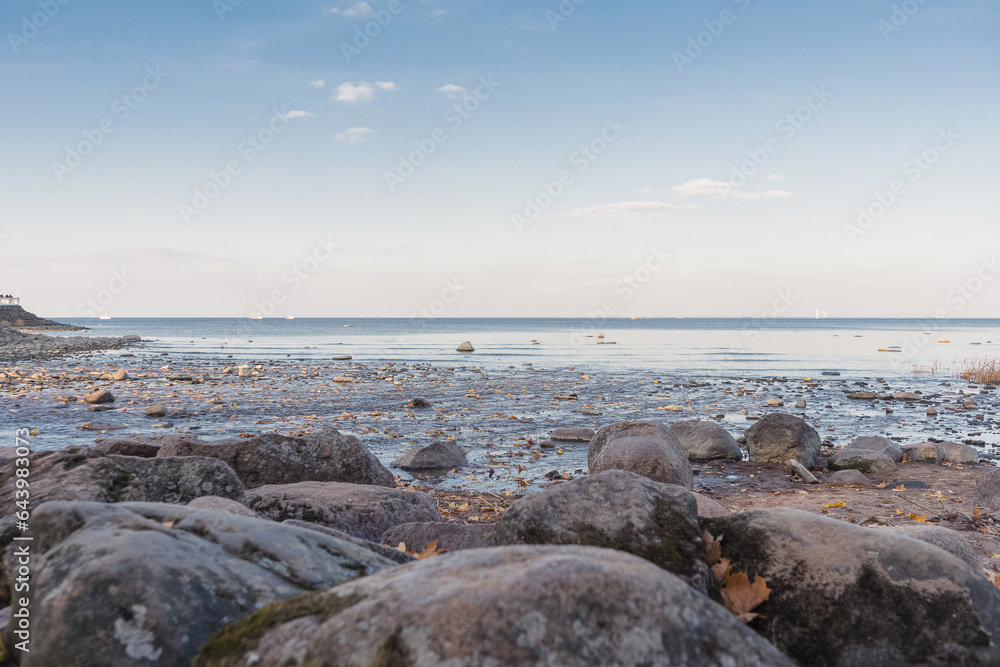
x=479, y=158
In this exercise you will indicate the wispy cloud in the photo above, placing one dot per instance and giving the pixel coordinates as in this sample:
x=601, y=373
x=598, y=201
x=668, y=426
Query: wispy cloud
x=439, y=12
x=454, y=91
x=354, y=135
x=626, y=210
x=362, y=91
x=318, y=83
x=703, y=187
x=297, y=113
x=356, y=11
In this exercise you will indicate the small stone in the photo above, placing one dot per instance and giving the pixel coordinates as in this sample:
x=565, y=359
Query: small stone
x=419, y=403
x=343, y=357
x=775, y=402
x=158, y=410
x=466, y=347
x=572, y=434
x=102, y=396
x=343, y=378
x=243, y=371
x=119, y=376
x=801, y=404
x=931, y=412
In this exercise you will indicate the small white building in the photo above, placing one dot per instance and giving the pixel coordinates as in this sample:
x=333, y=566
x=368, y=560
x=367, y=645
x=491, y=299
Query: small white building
x=10, y=301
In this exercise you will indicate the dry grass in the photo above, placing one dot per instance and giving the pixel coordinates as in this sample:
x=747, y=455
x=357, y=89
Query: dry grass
x=980, y=371
x=934, y=369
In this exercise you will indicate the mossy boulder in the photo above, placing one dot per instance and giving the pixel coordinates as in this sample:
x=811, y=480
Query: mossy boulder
x=615, y=510
x=525, y=605
x=846, y=595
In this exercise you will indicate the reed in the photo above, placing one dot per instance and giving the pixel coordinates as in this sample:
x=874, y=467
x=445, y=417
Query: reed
x=980, y=371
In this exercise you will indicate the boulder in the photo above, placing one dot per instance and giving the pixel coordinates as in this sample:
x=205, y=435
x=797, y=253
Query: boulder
x=572, y=434
x=449, y=536
x=647, y=448
x=133, y=445
x=958, y=452
x=615, y=510
x=119, y=376
x=906, y=396
x=466, y=347
x=322, y=456
x=846, y=595
x=147, y=584
x=419, y=403
x=866, y=461
x=223, y=505
x=362, y=511
x=394, y=555
x=848, y=476
x=705, y=441
x=777, y=437
x=941, y=537
x=988, y=489
x=709, y=507
x=924, y=452
x=440, y=455
x=531, y=605
x=878, y=443
x=84, y=474
x=99, y=397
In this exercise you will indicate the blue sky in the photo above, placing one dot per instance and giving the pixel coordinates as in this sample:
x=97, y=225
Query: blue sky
x=842, y=103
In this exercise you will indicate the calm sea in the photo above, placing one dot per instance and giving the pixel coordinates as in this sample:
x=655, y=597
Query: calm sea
x=700, y=346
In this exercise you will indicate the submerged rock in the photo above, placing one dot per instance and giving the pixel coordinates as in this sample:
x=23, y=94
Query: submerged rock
x=440, y=455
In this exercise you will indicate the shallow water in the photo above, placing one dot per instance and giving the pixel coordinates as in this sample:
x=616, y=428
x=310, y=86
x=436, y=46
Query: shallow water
x=514, y=384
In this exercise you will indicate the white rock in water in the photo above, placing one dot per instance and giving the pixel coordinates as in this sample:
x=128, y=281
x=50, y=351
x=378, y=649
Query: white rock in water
x=466, y=347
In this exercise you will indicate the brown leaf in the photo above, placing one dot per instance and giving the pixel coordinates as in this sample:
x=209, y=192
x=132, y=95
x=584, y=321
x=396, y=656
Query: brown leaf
x=430, y=550
x=713, y=545
x=741, y=597
x=721, y=569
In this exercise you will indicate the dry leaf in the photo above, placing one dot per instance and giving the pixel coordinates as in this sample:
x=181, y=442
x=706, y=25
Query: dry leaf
x=840, y=504
x=401, y=547
x=430, y=550
x=919, y=518
x=721, y=569
x=741, y=597
x=713, y=545
x=901, y=487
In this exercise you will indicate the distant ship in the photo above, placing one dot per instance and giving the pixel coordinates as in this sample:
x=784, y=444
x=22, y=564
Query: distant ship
x=820, y=315
x=104, y=317
x=289, y=318
x=636, y=317
x=256, y=317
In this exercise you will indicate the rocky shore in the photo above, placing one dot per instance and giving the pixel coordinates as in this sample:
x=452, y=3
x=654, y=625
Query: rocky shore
x=17, y=317
x=676, y=546
x=18, y=346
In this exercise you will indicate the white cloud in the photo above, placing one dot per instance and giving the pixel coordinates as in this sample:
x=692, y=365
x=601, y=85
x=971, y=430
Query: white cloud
x=386, y=85
x=439, y=12
x=297, y=113
x=354, y=135
x=723, y=190
x=775, y=177
x=454, y=91
x=625, y=210
x=360, y=10
x=362, y=91
x=318, y=83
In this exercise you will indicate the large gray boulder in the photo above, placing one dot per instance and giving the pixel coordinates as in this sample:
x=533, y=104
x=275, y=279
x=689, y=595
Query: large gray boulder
x=647, y=448
x=133, y=445
x=706, y=441
x=877, y=443
x=846, y=595
x=147, y=584
x=777, y=437
x=440, y=455
x=322, y=456
x=448, y=536
x=84, y=474
x=867, y=461
x=988, y=489
x=362, y=511
x=615, y=510
x=542, y=605
x=394, y=555
x=937, y=452
x=950, y=540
